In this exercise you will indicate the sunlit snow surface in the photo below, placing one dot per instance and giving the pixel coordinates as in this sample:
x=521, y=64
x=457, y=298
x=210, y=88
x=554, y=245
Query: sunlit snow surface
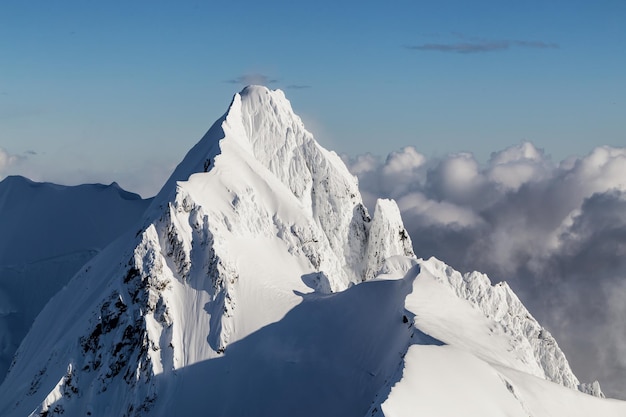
x=259, y=285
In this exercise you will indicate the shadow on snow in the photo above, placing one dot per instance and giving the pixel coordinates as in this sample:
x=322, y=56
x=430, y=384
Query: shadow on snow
x=329, y=356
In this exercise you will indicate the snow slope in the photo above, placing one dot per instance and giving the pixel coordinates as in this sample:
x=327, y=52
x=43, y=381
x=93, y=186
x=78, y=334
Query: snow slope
x=47, y=232
x=445, y=381
x=492, y=357
x=259, y=285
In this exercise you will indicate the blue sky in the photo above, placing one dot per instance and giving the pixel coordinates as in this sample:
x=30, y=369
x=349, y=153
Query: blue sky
x=112, y=90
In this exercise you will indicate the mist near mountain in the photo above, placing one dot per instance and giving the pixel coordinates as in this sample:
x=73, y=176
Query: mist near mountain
x=556, y=231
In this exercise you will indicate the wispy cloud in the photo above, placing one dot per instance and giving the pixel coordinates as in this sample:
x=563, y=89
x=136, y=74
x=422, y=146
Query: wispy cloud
x=8, y=160
x=536, y=44
x=252, y=78
x=481, y=45
x=298, y=86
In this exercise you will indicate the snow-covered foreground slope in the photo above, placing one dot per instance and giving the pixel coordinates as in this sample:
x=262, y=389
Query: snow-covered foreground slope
x=47, y=232
x=259, y=285
x=444, y=381
x=491, y=357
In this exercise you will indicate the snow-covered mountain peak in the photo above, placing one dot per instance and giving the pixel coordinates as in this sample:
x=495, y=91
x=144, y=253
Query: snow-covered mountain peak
x=261, y=146
x=237, y=296
x=262, y=123
x=256, y=215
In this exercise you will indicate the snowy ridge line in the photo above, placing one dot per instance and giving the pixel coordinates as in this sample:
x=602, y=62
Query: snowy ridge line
x=457, y=351
x=500, y=303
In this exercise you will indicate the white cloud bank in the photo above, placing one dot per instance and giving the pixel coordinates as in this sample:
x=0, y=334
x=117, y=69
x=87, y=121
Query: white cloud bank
x=555, y=231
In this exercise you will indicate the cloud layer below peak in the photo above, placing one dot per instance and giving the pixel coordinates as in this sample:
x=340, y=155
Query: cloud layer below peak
x=555, y=231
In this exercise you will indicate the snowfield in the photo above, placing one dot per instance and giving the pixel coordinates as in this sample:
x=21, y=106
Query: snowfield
x=258, y=284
